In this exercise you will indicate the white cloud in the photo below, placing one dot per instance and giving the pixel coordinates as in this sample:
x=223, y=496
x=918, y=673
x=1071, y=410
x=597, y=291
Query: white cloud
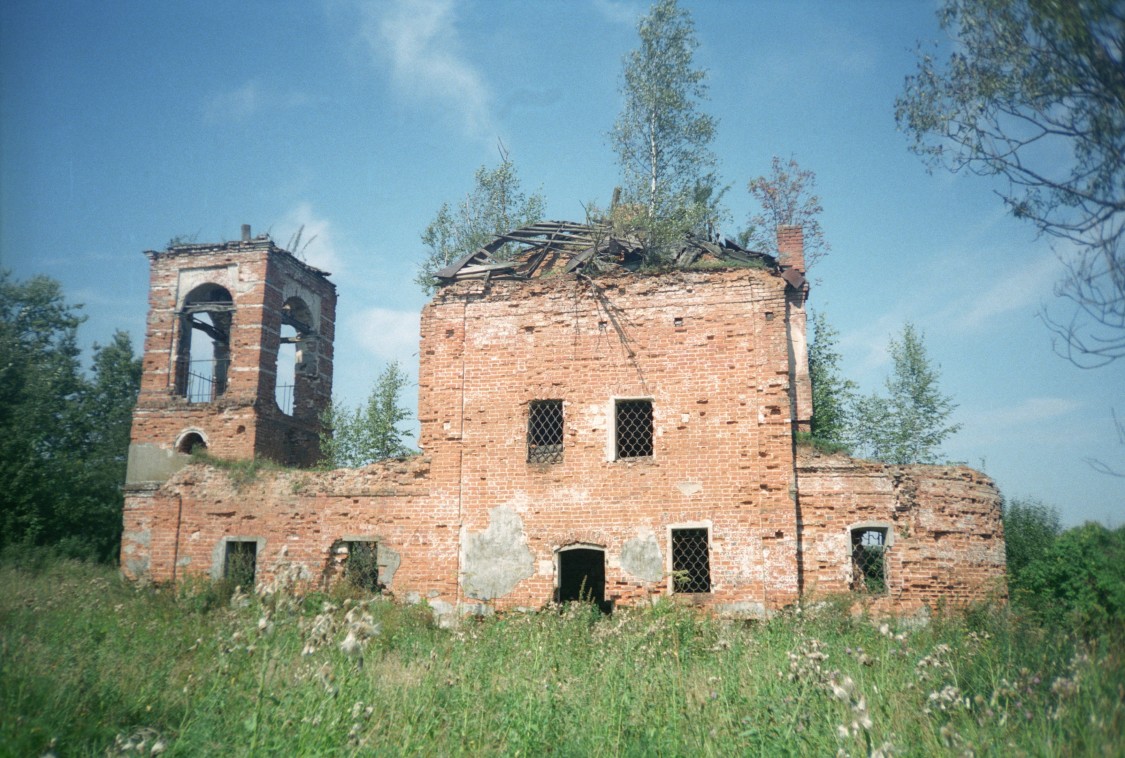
x=1018, y=289
x=388, y=335
x=420, y=41
x=869, y=347
x=317, y=245
x=1032, y=410
x=248, y=100
x=619, y=11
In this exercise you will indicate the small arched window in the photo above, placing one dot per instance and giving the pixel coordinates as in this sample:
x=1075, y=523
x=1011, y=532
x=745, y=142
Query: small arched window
x=192, y=442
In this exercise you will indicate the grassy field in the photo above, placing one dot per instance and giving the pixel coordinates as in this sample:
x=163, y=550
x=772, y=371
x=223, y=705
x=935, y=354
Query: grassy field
x=90, y=665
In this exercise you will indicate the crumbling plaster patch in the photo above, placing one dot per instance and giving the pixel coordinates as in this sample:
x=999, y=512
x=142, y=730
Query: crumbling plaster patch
x=389, y=561
x=641, y=557
x=496, y=560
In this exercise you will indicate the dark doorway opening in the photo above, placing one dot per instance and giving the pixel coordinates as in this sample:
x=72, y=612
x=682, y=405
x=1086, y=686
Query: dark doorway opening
x=240, y=564
x=582, y=576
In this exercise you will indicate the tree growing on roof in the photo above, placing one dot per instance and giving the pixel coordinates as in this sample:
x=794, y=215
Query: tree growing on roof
x=661, y=138
x=1034, y=93
x=911, y=422
x=786, y=198
x=496, y=205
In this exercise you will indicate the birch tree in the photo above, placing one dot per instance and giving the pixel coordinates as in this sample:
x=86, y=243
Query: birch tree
x=909, y=424
x=833, y=396
x=352, y=438
x=786, y=197
x=661, y=138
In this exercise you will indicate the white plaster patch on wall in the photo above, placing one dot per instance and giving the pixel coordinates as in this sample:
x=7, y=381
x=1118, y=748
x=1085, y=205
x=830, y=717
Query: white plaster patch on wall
x=496, y=560
x=687, y=489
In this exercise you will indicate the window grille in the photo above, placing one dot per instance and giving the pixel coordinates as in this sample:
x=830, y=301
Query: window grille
x=239, y=564
x=545, y=431
x=869, y=566
x=691, y=561
x=204, y=380
x=362, y=566
x=634, y=428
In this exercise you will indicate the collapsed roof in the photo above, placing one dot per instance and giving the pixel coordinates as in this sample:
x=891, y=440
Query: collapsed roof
x=552, y=247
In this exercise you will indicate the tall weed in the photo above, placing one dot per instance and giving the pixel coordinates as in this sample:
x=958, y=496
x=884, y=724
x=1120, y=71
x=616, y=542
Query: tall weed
x=91, y=665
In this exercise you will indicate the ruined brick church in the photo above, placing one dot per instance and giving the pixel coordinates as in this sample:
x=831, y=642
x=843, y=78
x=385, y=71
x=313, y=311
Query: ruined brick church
x=587, y=428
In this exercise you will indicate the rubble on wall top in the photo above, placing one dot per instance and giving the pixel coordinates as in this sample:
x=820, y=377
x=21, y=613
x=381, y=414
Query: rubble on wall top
x=563, y=247
x=262, y=242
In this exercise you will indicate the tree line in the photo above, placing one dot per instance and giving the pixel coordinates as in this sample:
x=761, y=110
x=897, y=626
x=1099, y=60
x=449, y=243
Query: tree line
x=64, y=432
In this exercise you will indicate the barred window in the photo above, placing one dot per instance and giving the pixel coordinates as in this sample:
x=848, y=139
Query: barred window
x=545, y=431
x=691, y=561
x=633, y=428
x=869, y=566
x=240, y=561
x=362, y=566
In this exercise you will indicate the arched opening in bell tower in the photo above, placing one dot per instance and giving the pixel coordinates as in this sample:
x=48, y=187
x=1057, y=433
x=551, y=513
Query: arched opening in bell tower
x=296, y=359
x=203, y=350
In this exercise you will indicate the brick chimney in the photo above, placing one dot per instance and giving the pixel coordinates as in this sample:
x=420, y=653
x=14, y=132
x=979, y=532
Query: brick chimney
x=791, y=247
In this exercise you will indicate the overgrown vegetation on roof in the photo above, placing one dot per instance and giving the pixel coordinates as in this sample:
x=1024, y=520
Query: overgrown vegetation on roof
x=548, y=248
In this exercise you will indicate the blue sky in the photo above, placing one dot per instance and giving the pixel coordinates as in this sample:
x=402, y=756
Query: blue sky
x=124, y=124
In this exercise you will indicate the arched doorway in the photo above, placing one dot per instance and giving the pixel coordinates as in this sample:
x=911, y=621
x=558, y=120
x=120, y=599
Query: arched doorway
x=582, y=575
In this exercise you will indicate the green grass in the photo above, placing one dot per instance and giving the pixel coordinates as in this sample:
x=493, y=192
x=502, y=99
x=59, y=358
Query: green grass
x=824, y=446
x=241, y=471
x=91, y=665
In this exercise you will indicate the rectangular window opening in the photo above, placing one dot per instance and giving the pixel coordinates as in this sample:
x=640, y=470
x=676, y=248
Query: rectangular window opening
x=691, y=561
x=545, y=431
x=240, y=563
x=869, y=565
x=633, y=428
x=362, y=566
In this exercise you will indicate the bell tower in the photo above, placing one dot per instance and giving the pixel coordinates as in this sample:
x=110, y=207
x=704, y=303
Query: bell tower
x=237, y=357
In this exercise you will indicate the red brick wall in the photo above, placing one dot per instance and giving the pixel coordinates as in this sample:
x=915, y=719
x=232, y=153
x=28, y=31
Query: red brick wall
x=298, y=516
x=948, y=532
x=709, y=349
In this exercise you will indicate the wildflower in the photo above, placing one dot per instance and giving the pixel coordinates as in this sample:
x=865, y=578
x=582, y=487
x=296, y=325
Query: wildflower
x=351, y=645
x=949, y=736
x=883, y=751
x=1063, y=687
x=843, y=691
